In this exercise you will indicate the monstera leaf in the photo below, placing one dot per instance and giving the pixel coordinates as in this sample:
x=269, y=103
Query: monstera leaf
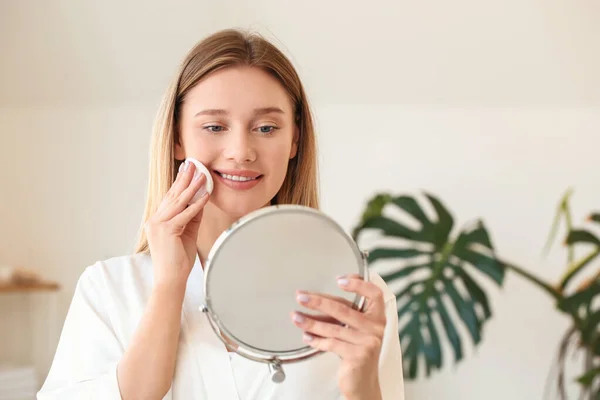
x=581, y=305
x=436, y=269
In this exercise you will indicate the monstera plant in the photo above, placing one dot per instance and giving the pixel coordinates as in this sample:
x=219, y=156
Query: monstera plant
x=434, y=269
x=579, y=299
x=442, y=260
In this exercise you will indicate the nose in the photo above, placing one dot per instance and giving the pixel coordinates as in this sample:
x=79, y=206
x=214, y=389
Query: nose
x=240, y=148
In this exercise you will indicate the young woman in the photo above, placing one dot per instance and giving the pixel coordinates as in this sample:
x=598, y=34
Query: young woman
x=134, y=329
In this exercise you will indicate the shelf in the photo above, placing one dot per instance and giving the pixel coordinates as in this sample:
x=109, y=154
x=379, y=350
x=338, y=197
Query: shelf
x=32, y=287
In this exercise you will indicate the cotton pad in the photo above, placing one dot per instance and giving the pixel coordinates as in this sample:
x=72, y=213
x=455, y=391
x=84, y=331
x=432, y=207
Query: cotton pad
x=208, y=185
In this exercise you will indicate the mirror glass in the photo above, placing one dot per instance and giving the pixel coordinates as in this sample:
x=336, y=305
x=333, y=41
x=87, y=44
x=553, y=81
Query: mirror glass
x=256, y=267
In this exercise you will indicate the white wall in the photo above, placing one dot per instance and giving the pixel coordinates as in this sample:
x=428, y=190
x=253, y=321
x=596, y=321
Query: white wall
x=415, y=93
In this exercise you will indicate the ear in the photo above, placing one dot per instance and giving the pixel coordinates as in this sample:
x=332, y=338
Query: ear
x=179, y=152
x=294, y=149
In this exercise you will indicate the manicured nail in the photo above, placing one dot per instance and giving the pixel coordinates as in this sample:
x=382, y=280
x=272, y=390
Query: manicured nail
x=303, y=298
x=307, y=338
x=343, y=282
x=298, y=318
x=180, y=167
x=186, y=165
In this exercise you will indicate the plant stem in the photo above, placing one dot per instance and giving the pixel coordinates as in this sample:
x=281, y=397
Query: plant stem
x=541, y=284
x=574, y=268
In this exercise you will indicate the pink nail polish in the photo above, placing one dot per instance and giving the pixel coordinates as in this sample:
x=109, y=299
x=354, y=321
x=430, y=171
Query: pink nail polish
x=298, y=318
x=343, y=282
x=303, y=298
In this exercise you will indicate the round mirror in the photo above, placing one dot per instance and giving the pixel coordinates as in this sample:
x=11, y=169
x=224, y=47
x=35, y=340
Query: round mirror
x=256, y=267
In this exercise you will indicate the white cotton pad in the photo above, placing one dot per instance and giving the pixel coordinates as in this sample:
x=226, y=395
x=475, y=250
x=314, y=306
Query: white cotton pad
x=208, y=185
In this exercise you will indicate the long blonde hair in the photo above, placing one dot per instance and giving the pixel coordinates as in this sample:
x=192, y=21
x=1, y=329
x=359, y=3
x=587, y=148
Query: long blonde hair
x=220, y=50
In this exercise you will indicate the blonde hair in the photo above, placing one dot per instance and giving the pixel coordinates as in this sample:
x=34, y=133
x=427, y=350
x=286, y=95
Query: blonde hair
x=220, y=50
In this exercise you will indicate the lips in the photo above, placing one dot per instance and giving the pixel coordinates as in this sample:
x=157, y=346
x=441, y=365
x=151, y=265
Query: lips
x=238, y=175
x=239, y=179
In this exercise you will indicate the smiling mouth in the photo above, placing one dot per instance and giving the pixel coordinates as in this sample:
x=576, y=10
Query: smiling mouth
x=238, y=178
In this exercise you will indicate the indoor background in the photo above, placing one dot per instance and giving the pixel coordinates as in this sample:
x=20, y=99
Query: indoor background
x=493, y=106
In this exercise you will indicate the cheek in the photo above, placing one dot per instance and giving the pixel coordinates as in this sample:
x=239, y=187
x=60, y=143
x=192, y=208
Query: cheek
x=201, y=147
x=279, y=157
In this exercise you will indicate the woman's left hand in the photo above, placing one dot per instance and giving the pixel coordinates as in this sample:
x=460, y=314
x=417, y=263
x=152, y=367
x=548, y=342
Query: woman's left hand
x=358, y=343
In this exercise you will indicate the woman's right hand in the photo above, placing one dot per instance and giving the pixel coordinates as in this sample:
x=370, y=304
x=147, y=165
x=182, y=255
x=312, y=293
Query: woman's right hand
x=172, y=231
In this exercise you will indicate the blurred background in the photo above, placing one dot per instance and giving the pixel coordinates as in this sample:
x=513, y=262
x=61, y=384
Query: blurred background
x=492, y=106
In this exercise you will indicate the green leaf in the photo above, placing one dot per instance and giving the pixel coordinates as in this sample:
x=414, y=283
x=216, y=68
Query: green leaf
x=587, y=378
x=392, y=228
x=466, y=311
x=434, y=349
x=594, y=217
x=373, y=209
x=474, y=291
x=411, y=353
x=479, y=235
x=574, y=268
x=445, y=221
x=563, y=210
x=407, y=292
x=573, y=303
x=579, y=305
x=412, y=326
x=581, y=236
x=410, y=205
x=384, y=253
x=413, y=361
x=441, y=269
x=591, y=325
x=405, y=271
x=492, y=267
x=450, y=329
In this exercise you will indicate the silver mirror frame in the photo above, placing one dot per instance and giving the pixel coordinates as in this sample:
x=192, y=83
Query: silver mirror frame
x=274, y=360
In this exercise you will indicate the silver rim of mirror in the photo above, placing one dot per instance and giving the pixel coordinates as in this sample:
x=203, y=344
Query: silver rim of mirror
x=274, y=359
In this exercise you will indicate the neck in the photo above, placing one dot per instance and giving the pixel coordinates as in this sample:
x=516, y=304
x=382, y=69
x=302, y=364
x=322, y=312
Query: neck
x=214, y=222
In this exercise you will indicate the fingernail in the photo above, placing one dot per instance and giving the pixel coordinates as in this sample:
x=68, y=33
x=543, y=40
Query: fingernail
x=180, y=167
x=186, y=165
x=343, y=282
x=202, y=191
x=298, y=318
x=307, y=338
x=303, y=298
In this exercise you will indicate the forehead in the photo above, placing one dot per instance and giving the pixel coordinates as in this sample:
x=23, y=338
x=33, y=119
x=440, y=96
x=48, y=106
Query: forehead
x=238, y=90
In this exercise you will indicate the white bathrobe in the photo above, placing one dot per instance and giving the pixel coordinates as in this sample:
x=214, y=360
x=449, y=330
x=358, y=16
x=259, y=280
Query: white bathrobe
x=107, y=306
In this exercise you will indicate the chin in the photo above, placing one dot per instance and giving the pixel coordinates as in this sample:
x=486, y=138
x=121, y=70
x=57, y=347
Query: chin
x=238, y=209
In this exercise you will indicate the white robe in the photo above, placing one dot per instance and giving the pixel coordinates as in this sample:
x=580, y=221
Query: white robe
x=107, y=306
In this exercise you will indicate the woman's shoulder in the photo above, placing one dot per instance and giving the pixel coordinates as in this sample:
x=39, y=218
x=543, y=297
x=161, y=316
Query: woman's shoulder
x=118, y=277
x=117, y=268
x=110, y=297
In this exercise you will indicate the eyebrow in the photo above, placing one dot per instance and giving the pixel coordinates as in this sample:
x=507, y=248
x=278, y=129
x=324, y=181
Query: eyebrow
x=256, y=112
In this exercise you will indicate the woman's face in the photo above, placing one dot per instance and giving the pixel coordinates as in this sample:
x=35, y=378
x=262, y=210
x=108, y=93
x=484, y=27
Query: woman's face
x=239, y=123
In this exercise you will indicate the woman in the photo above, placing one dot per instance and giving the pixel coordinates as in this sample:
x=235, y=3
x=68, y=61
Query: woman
x=134, y=329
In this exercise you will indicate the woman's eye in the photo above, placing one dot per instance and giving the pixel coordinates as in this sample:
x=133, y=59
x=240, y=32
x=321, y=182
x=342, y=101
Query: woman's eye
x=266, y=129
x=214, y=128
